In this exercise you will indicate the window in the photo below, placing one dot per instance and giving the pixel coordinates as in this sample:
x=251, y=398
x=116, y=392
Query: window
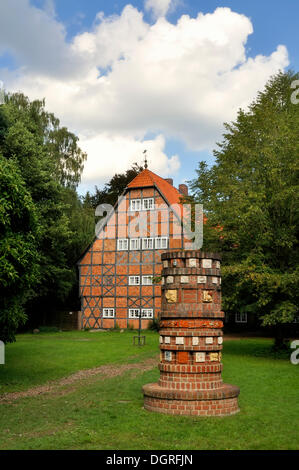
x=134, y=312
x=241, y=318
x=147, y=313
x=147, y=280
x=161, y=242
x=147, y=243
x=108, y=312
x=148, y=204
x=122, y=244
x=134, y=280
x=134, y=243
x=135, y=205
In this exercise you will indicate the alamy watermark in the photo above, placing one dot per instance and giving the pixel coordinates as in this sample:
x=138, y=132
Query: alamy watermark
x=295, y=355
x=2, y=93
x=178, y=221
x=2, y=352
x=295, y=94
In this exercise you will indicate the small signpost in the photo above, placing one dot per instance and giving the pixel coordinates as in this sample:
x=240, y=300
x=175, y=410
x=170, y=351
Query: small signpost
x=139, y=340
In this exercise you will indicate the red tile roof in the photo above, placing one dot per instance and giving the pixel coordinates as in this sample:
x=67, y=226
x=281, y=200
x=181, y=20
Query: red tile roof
x=147, y=178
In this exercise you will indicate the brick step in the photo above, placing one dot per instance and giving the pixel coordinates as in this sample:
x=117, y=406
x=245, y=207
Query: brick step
x=224, y=392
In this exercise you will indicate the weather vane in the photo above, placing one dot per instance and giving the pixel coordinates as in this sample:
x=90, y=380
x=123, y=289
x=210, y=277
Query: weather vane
x=145, y=159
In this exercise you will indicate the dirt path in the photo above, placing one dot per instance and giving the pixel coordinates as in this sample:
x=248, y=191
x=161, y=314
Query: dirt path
x=107, y=371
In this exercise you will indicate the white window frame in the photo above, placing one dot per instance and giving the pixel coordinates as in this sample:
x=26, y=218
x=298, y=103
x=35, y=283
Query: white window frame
x=133, y=311
x=134, y=203
x=147, y=313
x=241, y=317
x=148, y=277
x=108, y=312
x=145, y=202
x=120, y=243
x=145, y=241
x=133, y=281
x=161, y=241
x=135, y=240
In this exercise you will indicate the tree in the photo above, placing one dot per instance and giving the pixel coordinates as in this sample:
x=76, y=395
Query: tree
x=113, y=189
x=60, y=146
x=250, y=197
x=19, y=257
x=50, y=162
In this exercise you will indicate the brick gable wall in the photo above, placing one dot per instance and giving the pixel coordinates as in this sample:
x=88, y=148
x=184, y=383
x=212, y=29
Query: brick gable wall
x=104, y=270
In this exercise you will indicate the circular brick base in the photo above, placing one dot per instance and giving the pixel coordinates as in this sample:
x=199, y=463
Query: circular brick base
x=220, y=402
x=191, y=339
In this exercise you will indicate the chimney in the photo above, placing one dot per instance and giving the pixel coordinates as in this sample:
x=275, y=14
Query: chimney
x=169, y=180
x=183, y=189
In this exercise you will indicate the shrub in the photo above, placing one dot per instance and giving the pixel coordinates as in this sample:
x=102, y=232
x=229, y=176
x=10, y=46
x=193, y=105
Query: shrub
x=48, y=329
x=154, y=324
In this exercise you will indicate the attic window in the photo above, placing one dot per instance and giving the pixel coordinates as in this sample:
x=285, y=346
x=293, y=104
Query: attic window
x=135, y=205
x=148, y=204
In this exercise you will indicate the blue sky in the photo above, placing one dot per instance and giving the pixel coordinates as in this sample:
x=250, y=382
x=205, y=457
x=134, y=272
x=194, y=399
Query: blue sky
x=58, y=49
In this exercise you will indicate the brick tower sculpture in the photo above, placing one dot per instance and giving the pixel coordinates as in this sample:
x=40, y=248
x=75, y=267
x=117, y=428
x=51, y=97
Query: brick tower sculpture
x=191, y=340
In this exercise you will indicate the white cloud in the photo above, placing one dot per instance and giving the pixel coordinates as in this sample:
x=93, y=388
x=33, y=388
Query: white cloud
x=112, y=38
x=114, y=154
x=126, y=78
x=37, y=40
x=158, y=7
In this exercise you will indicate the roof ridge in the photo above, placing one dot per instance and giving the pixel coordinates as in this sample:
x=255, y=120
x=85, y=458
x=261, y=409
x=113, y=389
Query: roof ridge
x=153, y=176
x=148, y=178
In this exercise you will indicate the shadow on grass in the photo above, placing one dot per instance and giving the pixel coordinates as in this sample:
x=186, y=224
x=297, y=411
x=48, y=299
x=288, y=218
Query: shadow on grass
x=255, y=348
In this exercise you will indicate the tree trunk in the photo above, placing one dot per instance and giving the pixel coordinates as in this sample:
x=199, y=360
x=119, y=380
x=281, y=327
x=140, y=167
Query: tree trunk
x=279, y=339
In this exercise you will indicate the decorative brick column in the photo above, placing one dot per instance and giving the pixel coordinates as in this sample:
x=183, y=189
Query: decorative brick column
x=191, y=340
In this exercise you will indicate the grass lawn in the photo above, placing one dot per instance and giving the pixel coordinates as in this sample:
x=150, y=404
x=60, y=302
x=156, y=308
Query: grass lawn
x=36, y=359
x=105, y=411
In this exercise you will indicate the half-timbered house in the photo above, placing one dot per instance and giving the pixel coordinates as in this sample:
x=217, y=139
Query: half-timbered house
x=120, y=269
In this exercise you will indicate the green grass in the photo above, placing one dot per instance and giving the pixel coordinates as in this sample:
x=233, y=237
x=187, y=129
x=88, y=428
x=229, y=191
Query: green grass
x=108, y=413
x=36, y=359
